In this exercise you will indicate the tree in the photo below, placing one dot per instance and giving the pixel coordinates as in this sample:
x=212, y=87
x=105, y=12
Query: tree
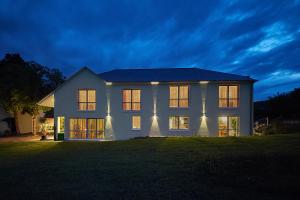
x=23, y=84
x=285, y=105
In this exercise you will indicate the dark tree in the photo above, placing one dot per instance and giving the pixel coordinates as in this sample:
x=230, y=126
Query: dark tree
x=23, y=84
x=283, y=105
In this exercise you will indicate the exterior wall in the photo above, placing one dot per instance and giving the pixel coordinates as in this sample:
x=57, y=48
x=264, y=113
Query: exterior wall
x=25, y=122
x=65, y=103
x=203, y=111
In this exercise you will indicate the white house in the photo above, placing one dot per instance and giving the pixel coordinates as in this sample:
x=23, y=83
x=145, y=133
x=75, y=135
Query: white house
x=128, y=103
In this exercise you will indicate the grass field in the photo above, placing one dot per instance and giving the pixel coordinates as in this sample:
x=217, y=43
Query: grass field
x=170, y=168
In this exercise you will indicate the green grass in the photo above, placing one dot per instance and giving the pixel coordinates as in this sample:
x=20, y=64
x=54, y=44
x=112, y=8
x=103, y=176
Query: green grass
x=167, y=168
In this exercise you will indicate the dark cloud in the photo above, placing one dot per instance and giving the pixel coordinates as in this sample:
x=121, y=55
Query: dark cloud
x=256, y=38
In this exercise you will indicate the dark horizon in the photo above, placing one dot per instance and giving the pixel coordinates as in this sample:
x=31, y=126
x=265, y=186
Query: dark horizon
x=253, y=38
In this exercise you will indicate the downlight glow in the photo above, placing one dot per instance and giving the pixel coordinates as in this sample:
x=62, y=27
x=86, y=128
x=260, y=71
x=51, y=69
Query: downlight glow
x=154, y=83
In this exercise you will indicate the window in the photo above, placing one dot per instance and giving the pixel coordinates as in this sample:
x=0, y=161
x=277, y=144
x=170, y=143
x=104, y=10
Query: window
x=229, y=126
x=60, y=124
x=136, y=122
x=178, y=123
x=179, y=96
x=77, y=129
x=131, y=99
x=87, y=99
x=91, y=128
x=228, y=96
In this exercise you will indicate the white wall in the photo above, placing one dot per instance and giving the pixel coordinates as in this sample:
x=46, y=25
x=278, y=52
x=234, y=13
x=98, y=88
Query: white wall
x=65, y=98
x=118, y=125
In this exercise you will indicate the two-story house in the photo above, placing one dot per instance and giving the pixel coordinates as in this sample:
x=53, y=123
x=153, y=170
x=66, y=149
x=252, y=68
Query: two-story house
x=127, y=103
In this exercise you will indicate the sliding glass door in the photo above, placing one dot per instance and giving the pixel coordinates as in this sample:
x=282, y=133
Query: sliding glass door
x=95, y=129
x=90, y=128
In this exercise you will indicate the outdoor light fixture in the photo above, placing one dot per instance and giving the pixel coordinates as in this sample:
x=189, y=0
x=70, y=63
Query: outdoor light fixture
x=154, y=83
x=108, y=83
x=204, y=82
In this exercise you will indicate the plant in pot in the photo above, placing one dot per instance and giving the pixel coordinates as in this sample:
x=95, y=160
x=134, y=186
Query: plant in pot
x=43, y=128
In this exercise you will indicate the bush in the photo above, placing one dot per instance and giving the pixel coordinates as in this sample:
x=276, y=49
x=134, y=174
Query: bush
x=280, y=126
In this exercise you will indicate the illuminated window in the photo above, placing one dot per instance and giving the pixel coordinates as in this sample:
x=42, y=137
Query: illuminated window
x=90, y=128
x=87, y=99
x=179, y=96
x=131, y=99
x=60, y=124
x=77, y=129
x=228, y=96
x=136, y=122
x=229, y=126
x=178, y=123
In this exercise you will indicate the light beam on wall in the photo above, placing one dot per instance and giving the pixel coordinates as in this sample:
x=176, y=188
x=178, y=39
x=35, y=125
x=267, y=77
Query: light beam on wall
x=154, y=130
x=203, y=129
x=109, y=134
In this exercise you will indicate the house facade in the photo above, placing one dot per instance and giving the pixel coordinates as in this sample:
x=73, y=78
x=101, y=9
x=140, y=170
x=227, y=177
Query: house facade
x=128, y=103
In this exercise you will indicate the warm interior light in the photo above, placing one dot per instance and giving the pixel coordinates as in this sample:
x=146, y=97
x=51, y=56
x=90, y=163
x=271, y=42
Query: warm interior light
x=108, y=83
x=203, y=82
x=154, y=83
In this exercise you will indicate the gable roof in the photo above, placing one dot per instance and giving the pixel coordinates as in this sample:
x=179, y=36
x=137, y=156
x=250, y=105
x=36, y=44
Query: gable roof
x=48, y=101
x=169, y=75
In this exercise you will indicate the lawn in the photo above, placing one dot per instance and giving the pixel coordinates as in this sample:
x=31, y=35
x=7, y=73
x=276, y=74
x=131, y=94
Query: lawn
x=170, y=168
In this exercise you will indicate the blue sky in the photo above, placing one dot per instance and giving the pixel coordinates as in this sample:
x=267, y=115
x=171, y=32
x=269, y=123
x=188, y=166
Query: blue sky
x=257, y=38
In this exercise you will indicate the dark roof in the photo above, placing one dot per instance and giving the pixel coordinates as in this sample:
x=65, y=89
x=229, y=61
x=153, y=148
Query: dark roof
x=169, y=75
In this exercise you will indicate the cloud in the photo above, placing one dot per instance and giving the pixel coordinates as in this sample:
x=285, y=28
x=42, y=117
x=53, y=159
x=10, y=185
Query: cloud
x=256, y=38
x=275, y=36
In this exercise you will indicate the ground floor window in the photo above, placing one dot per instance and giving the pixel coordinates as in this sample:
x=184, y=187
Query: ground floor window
x=229, y=126
x=136, y=122
x=178, y=123
x=90, y=128
x=60, y=124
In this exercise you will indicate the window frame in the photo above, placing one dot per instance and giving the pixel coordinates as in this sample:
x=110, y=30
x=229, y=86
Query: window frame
x=228, y=99
x=228, y=129
x=131, y=103
x=87, y=102
x=87, y=131
x=60, y=125
x=178, y=96
x=177, y=117
x=136, y=129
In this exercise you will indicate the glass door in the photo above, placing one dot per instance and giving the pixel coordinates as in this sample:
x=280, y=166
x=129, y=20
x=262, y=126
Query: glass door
x=92, y=128
x=95, y=128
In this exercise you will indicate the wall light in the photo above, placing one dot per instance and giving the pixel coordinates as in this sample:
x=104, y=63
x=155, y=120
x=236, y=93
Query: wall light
x=108, y=83
x=204, y=82
x=154, y=83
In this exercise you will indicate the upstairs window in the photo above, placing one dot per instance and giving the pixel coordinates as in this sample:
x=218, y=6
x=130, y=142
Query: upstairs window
x=131, y=99
x=178, y=123
x=228, y=96
x=86, y=99
x=179, y=96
